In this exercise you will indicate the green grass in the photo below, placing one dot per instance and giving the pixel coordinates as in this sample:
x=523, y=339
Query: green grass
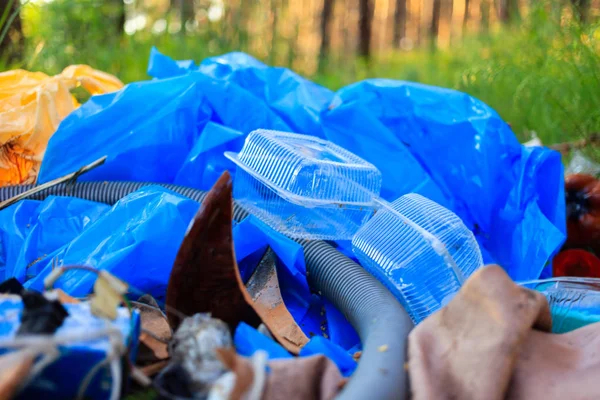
x=542, y=76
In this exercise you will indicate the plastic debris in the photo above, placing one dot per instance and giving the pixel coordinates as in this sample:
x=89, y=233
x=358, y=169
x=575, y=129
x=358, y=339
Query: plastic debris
x=420, y=251
x=580, y=164
x=303, y=186
x=128, y=235
x=32, y=105
x=341, y=358
x=40, y=315
x=509, y=195
x=31, y=230
x=535, y=141
x=195, y=345
x=86, y=346
x=574, y=302
x=249, y=340
x=108, y=295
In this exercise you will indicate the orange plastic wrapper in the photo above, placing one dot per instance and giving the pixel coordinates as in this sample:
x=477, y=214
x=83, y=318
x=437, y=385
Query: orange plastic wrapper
x=32, y=104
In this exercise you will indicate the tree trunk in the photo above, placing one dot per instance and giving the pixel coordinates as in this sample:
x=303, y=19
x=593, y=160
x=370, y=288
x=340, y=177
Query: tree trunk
x=186, y=13
x=434, y=28
x=508, y=10
x=400, y=18
x=13, y=42
x=275, y=10
x=581, y=8
x=121, y=16
x=485, y=16
x=466, y=16
x=326, y=15
x=366, y=11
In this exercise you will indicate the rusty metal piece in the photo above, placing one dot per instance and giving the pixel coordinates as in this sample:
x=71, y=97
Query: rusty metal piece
x=263, y=287
x=205, y=277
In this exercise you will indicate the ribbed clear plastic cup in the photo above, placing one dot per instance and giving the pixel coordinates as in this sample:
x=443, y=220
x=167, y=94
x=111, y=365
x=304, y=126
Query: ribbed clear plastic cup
x=303, y=186
x=574, y=302
x=420, y=250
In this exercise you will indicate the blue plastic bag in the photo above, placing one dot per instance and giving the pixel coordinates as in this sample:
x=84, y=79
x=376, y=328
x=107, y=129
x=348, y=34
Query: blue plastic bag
x=152, y=131
x=403, y=128
x=511, y=196
x=320, y=345
x=14, y=227
x=298, y=101
x=146, y=130
x=295, y=99
x=136, y=240
x=248, y=340
x=30, y=230
x=205, y=162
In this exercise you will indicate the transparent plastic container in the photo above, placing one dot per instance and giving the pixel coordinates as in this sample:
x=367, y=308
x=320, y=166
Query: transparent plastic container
x=420, y=250
x=303, y=186
x=574, y=302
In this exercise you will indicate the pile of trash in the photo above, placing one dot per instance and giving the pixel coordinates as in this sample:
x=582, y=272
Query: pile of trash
x=238, y=224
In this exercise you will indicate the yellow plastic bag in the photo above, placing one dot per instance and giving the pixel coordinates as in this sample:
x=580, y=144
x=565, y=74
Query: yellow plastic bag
x=32, y=104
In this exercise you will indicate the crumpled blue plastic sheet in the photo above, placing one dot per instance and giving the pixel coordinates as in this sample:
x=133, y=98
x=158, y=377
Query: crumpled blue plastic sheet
x=509, y=195
x=320, y=345
x=155, y=126
x=136, y=240
x=248, y=340
x=440, y=143
x=33, y=229
x=13, y=231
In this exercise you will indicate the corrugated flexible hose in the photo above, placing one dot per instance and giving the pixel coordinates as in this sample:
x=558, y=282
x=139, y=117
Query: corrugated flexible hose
x=380, y=321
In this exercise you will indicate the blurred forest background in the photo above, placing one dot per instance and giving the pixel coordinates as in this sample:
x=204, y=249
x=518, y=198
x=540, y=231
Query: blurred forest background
x=537, y=62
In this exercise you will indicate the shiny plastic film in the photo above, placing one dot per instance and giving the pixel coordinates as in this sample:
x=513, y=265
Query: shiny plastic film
x=420, y=250
x=304, y=186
